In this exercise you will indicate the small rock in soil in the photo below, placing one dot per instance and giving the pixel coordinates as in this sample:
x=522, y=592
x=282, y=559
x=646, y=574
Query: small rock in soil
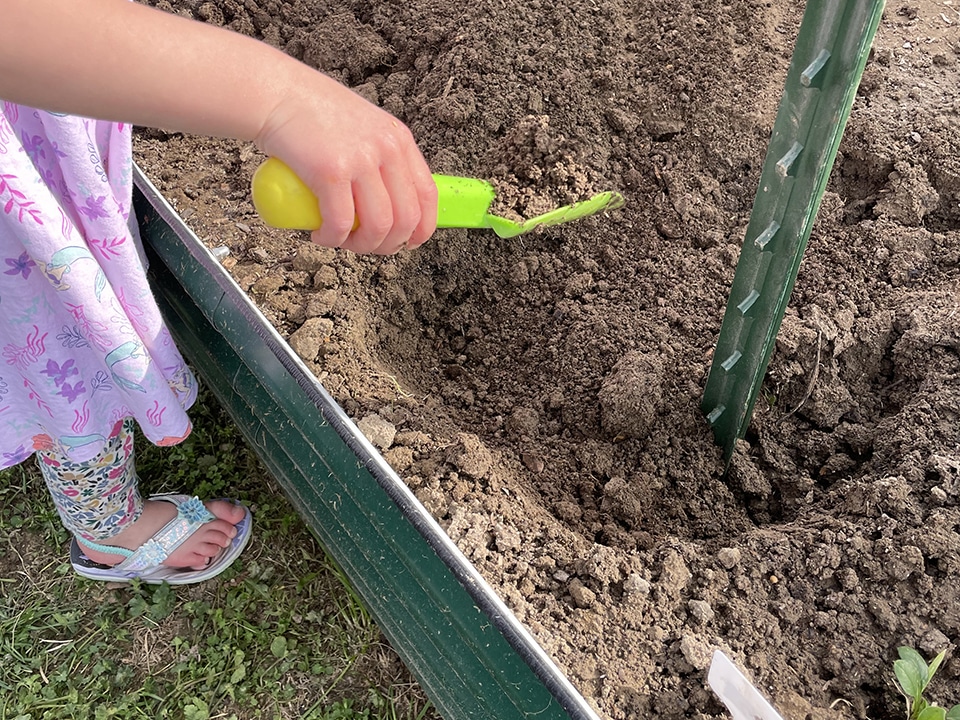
x=377, y=430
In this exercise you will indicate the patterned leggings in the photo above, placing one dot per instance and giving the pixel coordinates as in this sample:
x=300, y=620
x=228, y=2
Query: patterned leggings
x=99, y=498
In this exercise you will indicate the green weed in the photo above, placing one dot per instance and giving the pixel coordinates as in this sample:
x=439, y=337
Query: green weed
x=913, y=676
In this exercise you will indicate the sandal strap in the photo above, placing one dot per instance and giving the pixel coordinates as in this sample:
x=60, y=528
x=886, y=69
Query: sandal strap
x=192, y=514
x=112, y=549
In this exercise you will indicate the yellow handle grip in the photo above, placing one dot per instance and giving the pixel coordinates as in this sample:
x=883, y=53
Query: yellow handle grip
x=281, y=198
x=284, y=201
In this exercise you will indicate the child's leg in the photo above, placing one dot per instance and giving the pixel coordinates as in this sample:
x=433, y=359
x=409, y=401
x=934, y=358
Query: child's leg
x=99, y=498
x=99, y=502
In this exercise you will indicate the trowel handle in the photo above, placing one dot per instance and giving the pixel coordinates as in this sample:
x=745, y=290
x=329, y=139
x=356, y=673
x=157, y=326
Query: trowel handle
x=283, y=201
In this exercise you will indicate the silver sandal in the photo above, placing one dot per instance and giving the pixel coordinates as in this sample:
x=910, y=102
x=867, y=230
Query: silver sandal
x=145, y=563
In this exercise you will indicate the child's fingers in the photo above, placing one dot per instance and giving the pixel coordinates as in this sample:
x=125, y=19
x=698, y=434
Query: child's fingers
x=426, y=197
x=374, y=214
x=406, y=207
x=375, y=192
x=336, y=203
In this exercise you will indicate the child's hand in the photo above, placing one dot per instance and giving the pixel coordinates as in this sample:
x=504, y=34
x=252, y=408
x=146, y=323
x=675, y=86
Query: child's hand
x=361, y=163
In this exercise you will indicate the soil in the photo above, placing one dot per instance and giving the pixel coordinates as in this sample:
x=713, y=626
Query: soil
x=541, y=395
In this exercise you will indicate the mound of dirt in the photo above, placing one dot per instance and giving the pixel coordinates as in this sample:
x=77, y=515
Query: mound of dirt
x=541, y=395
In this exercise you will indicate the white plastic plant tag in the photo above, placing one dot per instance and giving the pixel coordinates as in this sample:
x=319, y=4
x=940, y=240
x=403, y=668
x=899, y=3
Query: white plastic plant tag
x=742, y=699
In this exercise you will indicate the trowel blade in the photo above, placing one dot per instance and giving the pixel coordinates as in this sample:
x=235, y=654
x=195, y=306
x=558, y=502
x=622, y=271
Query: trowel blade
x=742, y=699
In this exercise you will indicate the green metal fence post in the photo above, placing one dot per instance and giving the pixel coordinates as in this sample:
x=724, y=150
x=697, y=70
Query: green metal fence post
x=831, y=50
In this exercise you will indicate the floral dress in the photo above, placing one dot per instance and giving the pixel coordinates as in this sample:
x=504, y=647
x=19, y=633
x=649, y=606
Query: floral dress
x=82, y=342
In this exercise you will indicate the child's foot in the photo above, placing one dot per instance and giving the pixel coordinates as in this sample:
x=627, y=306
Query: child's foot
x=196, y=551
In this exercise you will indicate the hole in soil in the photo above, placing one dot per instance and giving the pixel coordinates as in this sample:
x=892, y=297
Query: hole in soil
x=859, y=180
x=942, y=222
x=932, y=569
x=894, y=395
x=888, y=391
x=887, y=705
x=516, y=341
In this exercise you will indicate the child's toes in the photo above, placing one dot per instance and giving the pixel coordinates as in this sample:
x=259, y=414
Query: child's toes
x=216, y=530
x=217, y=538
x=195, y=552
x=208, y=541
x=207, y=549
x=227, y=511
x=201, y=555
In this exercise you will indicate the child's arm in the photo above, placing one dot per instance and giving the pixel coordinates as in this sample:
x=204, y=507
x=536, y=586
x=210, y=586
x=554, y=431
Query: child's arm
x=119, y=60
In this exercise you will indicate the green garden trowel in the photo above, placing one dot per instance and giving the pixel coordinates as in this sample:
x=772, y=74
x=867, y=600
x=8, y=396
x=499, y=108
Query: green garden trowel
x=283, y=201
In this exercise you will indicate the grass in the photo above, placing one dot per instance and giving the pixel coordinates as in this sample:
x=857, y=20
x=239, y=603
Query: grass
x=278, y=635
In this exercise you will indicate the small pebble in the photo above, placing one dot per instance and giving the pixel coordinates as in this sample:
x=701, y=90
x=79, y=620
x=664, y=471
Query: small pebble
x=701, y=611
x=377, y=430
x=583, y=597
x=729, y=557
x=636, y=585
x=533, y=463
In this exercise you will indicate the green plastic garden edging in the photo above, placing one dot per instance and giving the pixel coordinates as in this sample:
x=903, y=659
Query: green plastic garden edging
x=468, y=651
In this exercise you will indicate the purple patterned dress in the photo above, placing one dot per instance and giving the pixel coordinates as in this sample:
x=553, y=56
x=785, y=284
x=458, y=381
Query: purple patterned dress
x=82, y=343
